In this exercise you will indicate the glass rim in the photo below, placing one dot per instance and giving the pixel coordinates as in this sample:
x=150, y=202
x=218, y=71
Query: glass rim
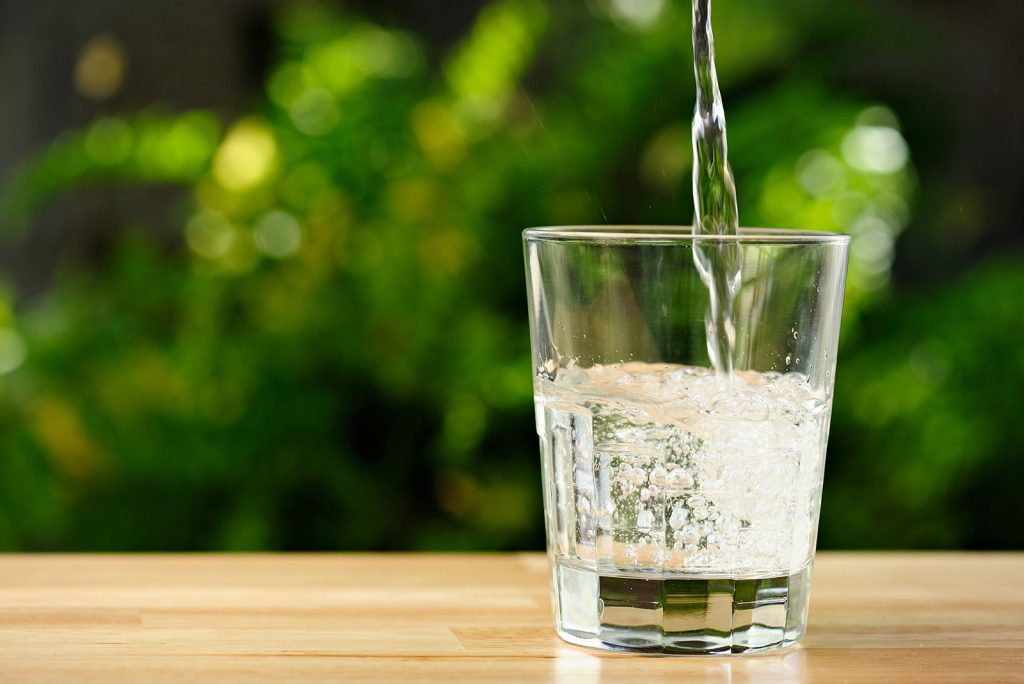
x=669, y=234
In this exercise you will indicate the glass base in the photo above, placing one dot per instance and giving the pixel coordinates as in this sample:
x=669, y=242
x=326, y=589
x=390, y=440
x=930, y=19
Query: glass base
x=652, y=613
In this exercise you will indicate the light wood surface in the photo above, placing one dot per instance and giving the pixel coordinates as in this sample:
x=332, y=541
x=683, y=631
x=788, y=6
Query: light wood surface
x=874, y=618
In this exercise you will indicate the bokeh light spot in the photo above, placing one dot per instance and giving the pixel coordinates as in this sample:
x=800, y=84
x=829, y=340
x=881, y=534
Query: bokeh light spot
x=210, y=234
x=819, y=173
x=875, y=245
x=390, y=54
x=178, y=148
x=247, y=156
x=876, y=149
x=314, y=112
x=439, y=134
x=101, y=67
x=12, y=350
x=109, y=142
x=334, y=66
x=278, y=234
x=286, y=84
x=636, y=13
x=872, y=248
x=879, y=115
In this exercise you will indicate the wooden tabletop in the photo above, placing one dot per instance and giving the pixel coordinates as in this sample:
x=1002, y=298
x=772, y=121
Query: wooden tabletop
x=874, y=618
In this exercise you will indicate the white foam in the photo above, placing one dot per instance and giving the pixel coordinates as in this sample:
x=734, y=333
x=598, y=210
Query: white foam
x=689, y=471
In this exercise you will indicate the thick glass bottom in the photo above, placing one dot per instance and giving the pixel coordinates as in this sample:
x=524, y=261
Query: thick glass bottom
x=673, y=613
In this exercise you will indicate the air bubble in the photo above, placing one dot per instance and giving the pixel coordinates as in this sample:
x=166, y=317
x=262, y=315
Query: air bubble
x=678, y=518
x=680, y=479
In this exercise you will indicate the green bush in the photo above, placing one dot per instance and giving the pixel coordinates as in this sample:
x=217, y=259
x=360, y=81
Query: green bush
x=335, y=354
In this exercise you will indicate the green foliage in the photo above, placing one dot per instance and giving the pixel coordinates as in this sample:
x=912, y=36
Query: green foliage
x=152, y=148
x=336, y=355
x=921, y=452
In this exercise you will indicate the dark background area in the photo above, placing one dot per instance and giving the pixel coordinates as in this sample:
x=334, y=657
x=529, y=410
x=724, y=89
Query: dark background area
x=376, y=372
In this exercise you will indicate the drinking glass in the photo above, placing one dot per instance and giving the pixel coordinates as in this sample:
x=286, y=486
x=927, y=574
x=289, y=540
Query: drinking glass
x=681, y=504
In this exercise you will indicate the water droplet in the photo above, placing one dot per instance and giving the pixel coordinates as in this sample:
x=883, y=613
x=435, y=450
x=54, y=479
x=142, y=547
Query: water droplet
x=678, y=518
x=659, y=476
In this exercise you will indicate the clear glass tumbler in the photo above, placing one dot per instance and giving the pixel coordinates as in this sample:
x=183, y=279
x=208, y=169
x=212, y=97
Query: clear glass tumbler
x=682, y=504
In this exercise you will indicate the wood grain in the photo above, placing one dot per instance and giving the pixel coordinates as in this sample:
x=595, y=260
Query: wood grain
x=112, y=618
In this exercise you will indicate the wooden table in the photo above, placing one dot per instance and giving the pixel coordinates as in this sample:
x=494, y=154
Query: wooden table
x=874, y=618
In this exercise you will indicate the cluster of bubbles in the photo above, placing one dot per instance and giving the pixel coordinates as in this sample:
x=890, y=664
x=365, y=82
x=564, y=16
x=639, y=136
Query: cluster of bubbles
x=666, y=469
